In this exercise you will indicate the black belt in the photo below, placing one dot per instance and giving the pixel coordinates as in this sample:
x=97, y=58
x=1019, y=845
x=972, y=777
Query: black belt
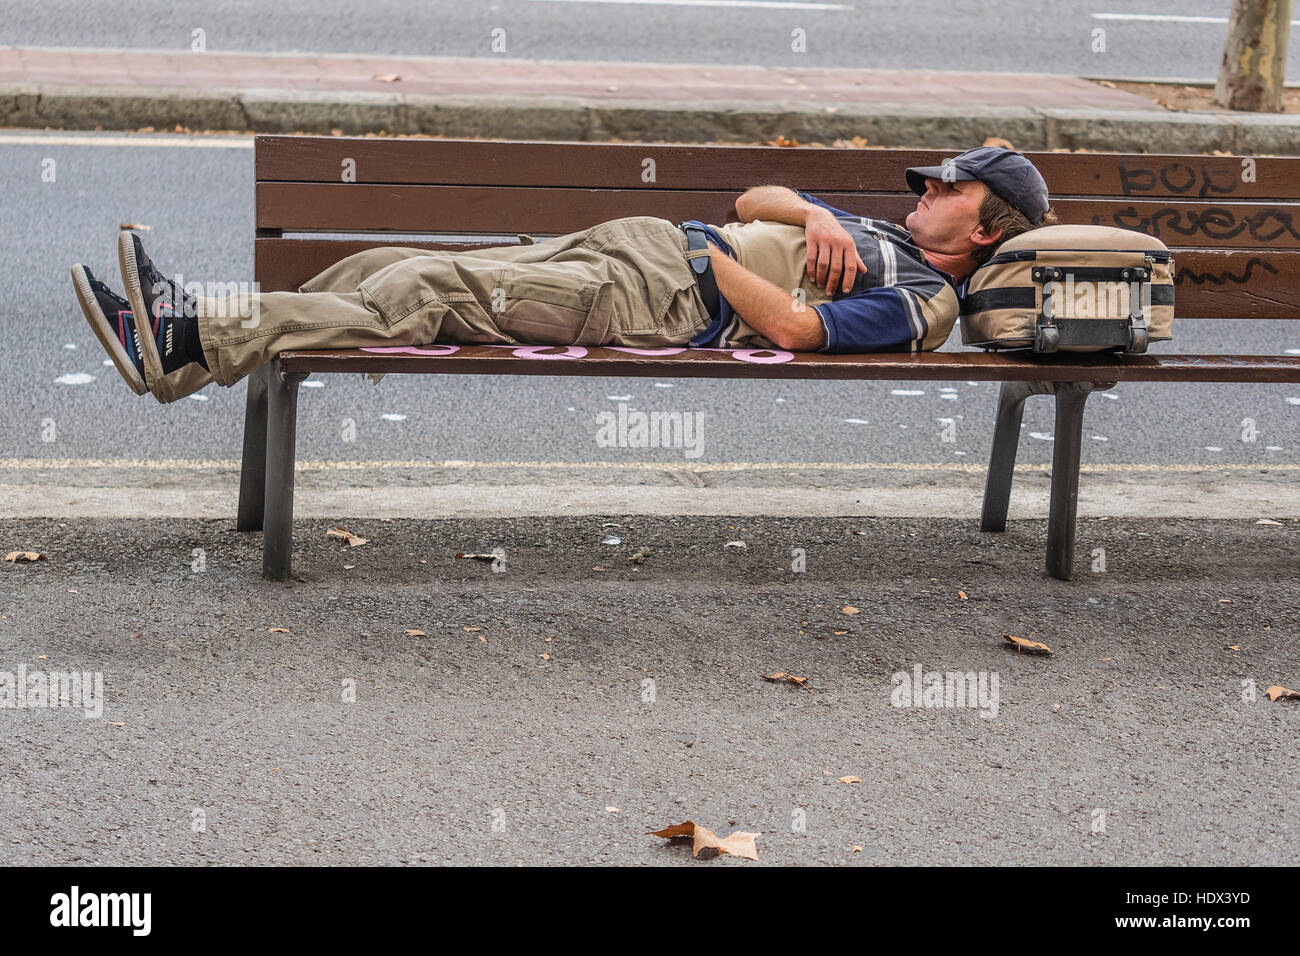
x=703, y=268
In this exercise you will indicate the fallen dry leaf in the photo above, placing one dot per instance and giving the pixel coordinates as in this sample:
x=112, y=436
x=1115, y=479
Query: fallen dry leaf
x=1278, y=692
x=385, y=77
x=857, y=849
x=783, y=676
x=471, y=628
x=611, y=810
x=545, y=657
x=1225, y=600
x=848, y=609
x=352, y=539
x=116, y=723
x=277, y=630
x=962, y=595
x=848, y=779
x=1033, y=647
x=25, y=556
x=1267, y=521
x=1234, y=647
x=782, y=141
x=412, y=632
x=734, y=544
x=737, y=844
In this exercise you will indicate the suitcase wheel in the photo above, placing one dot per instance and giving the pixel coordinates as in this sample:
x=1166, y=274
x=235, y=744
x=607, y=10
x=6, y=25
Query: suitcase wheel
x=1048, y=339
x=1137, y=340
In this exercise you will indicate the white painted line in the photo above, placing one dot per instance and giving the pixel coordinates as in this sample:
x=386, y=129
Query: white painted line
x=955, y=498
x=194, y=464
x=1164, y=18
x=148, y=140
x=765, y=4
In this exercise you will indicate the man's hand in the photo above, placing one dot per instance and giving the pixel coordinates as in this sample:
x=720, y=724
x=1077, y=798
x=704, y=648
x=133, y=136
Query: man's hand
x=832, y=253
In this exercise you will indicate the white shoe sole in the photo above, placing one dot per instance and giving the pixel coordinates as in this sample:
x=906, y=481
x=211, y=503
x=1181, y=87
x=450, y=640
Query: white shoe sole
x=153, y=370
x=104, y=331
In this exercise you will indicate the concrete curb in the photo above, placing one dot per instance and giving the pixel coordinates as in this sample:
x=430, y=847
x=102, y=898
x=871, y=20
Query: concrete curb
x=556, y=118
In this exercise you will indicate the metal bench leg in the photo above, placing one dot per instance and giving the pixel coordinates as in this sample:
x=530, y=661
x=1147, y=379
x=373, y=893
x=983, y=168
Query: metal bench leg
x=1002, y=459
x=1068, y=446
x=281, y=436
x=252, y=474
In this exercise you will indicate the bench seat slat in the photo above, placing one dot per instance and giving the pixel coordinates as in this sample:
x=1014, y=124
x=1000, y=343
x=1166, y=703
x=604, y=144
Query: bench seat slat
x=700, y=363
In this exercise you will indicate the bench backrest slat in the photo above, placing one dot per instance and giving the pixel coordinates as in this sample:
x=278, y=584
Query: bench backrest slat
x=309, y=207
x=622, y=166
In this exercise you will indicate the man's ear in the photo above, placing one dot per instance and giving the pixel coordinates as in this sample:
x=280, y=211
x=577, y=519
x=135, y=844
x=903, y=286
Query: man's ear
x=982, y=238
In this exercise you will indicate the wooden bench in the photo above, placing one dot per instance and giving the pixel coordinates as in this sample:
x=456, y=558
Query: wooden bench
x=1231, y=223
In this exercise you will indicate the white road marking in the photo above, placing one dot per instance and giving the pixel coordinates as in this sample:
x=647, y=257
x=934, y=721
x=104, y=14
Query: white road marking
x=762, y=4
x=956, y=496
x=196, y=464
x=150, y=140
x=1164, y=18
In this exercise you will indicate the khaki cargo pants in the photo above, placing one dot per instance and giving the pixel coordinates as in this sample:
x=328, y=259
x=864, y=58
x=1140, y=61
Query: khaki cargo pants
x=623, y=282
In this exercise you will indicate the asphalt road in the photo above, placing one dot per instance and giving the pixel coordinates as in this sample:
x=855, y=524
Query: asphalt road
x=59, y=400
x=1015, y=36
x=244, y=721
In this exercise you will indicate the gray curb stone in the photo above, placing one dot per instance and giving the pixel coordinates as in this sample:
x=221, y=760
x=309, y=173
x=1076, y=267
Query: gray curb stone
x=558, y=118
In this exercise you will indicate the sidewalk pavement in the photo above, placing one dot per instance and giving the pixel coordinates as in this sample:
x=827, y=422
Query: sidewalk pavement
x=530, y=99
x=393, y=704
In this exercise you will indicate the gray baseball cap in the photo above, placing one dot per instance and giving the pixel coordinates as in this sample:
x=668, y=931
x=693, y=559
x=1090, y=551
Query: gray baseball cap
x=1005, y=171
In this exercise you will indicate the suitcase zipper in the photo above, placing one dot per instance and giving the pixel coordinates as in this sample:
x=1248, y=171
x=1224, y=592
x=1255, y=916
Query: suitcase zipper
x=1027, y=255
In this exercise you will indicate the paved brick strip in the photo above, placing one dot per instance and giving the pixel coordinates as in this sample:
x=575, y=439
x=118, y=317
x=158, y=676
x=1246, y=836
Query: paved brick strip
x=607, y=82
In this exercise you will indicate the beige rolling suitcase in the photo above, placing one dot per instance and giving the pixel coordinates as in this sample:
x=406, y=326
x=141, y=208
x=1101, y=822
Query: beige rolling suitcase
x=1072, y=289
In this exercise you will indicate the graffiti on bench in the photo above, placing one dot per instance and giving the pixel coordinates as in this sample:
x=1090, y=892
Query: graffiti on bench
x=755, y=356
x=1214, y=222
x=1179, y=178
x=1223, y=278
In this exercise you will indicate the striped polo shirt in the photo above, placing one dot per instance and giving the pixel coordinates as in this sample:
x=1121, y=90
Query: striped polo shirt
x=900, y=304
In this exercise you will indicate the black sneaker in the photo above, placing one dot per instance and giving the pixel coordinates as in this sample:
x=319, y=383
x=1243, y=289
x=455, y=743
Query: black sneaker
x=162, y=311
x=110, y=318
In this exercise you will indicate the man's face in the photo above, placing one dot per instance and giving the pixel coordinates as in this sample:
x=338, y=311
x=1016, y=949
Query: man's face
x=946, y=218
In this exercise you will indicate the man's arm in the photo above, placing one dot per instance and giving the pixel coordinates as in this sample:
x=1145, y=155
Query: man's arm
x=832, y=255
x=775, y=204
x=772, y=312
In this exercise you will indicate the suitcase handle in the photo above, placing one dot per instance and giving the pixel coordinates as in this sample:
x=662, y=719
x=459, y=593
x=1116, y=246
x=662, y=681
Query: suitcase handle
x=1131, y=334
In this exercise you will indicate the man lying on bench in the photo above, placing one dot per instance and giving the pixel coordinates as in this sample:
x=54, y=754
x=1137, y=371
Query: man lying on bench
x=794, y=274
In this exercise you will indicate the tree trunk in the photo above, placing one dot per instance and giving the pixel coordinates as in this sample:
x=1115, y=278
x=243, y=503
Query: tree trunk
x=1254, y=58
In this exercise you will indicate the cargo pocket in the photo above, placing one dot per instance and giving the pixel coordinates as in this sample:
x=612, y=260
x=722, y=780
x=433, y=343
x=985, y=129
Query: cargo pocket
x=553, y=304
